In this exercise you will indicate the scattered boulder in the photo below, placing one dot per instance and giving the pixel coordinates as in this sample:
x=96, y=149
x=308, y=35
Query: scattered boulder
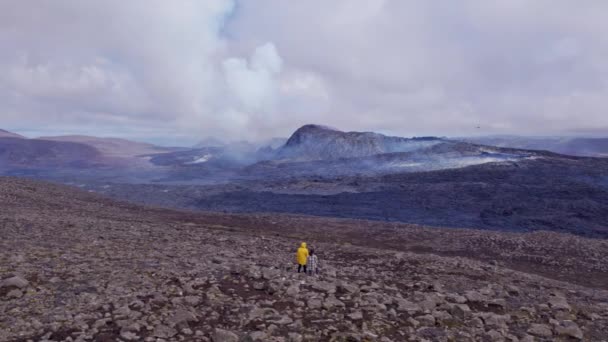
x=324, y=286
x=461, y=311
x=181, y=317
x=569, y=329
x=332, y=302
x=164, y=331
x=540, y=330
x=14, y=282
x=15, y=293
x=356, y=316
x=256, y=336
x=129, y=336
x=404, y=305
x=314, y=303
x=427, y=320
x=293, y=290
x=559, y=303
x=225, y=336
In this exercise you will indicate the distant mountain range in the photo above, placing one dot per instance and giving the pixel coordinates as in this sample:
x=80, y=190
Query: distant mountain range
x=112, y=147
x=310, y=150
x=576, y=146
x=76, y=152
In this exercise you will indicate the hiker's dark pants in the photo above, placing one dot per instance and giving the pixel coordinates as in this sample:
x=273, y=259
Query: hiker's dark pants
x=300, y=267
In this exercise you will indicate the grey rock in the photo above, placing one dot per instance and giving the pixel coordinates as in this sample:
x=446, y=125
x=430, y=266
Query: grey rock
x=527, y=338
x=192, y=300
x=427, y=320
x=461, y=311
x=513, y=290
x=294, y=337
x=257, y=336
x=540, y=330
x=129, y=336
x=494, y=336
x=284, y=320
x=181, y=317
x=16, y=281
x=495, y=321
x=474, y=297
x=263, y=314
x=499, y=303
x=15, y=293
x=101, y=322
x=442, y=316
x=314, y=303
x=293, y=290
x=404, y=305
x=413, y=322
x=332, y=302
x=123, y=311
x=454, y=298
x=164, y=331
x=569, y=329
x=270, y=273
x=137, y=305
x=559, y=303
x=356, y=316
x=348, y=288
x=324, y=286
x=225, y=336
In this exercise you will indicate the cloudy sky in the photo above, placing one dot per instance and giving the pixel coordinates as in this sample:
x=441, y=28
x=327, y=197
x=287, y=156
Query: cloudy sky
x=174, y=72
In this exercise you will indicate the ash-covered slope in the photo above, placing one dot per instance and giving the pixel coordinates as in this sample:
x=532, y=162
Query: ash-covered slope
x=7, y=134
x=77, y=266
x=113, y=147
x=79, y=158
x=36, y=153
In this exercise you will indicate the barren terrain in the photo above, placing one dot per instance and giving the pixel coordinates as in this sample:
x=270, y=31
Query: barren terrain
x=75, y=266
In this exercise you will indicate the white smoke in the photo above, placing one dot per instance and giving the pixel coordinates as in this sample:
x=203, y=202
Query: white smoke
x=254, y=82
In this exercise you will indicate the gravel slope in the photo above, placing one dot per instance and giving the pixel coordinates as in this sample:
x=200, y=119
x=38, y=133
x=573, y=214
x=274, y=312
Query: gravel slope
x=75, y=266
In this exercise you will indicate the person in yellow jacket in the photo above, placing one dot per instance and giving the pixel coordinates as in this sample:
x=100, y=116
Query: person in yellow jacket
x=302, y=256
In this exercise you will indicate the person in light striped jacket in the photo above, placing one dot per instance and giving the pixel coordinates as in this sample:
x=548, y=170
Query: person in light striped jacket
x=313, y=263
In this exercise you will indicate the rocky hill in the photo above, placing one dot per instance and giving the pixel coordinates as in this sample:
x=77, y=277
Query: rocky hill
x=76, y=266
x=315, y=142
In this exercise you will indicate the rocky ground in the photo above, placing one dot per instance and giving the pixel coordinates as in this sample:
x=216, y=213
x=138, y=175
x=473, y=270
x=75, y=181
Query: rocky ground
x=78, y=267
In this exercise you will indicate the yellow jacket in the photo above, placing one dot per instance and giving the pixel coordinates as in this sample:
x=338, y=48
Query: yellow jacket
x=302, y=254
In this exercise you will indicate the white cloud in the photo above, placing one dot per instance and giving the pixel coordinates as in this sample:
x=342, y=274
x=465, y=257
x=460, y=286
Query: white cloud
x=436, y=67
x=186, y=69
